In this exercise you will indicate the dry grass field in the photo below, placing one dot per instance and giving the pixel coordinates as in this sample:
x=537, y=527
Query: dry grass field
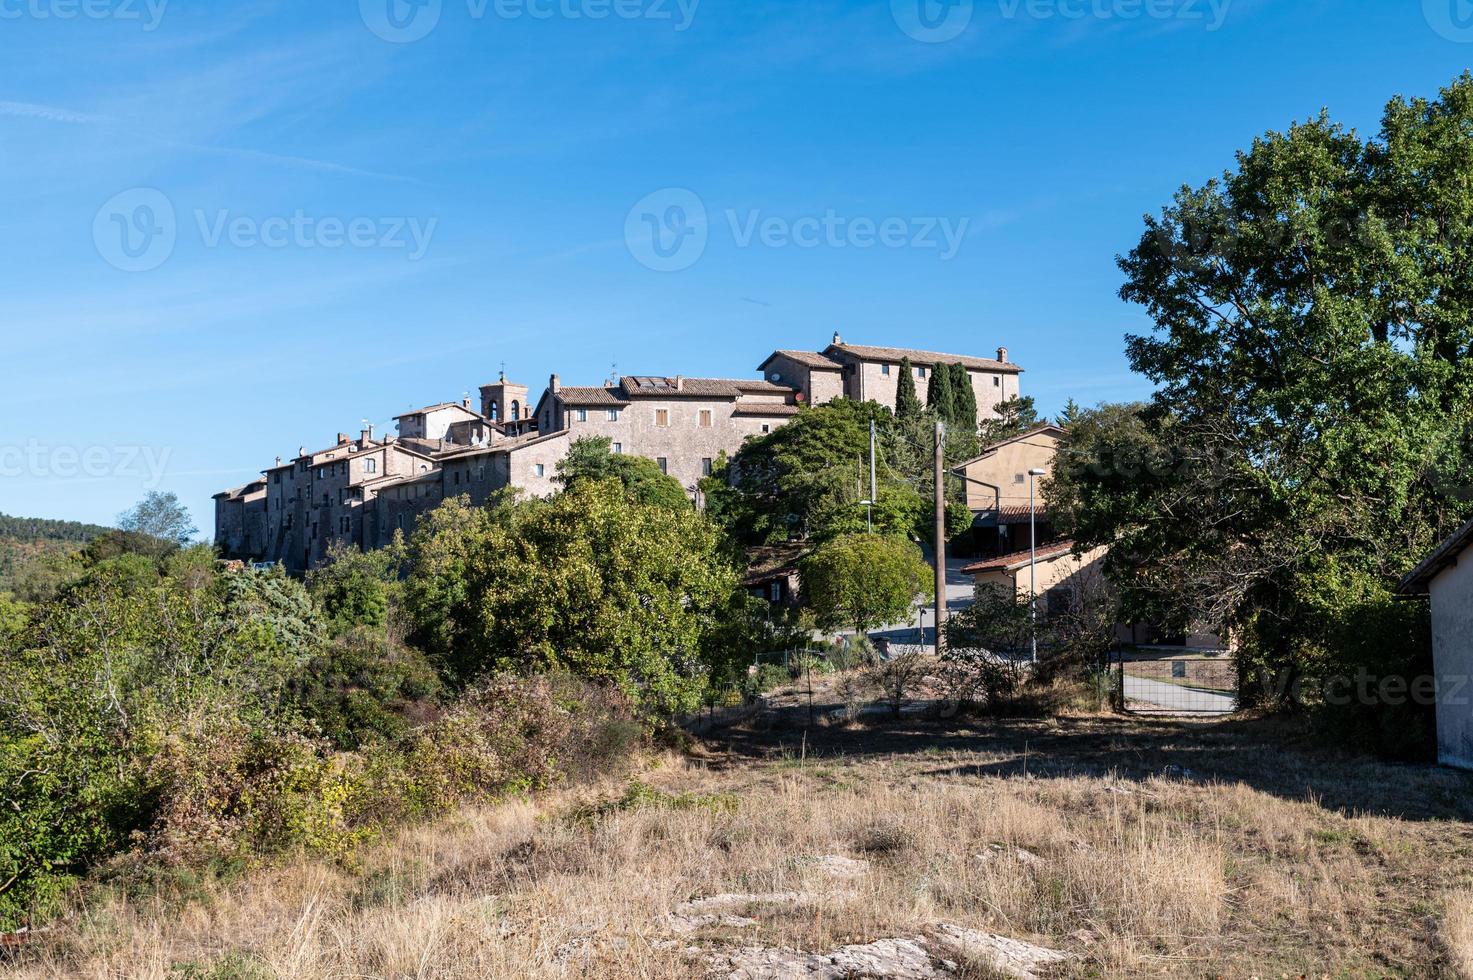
x=1129, y=848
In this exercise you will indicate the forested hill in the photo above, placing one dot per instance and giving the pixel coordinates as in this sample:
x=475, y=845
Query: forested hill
x=33, y=529
x=35, y=542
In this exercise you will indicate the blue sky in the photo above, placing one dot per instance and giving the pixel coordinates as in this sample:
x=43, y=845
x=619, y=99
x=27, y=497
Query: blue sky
x=234, y=229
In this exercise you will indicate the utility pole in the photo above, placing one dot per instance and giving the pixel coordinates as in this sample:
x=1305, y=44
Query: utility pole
x=1033, y=561
x=940, y=532
x=873, y=493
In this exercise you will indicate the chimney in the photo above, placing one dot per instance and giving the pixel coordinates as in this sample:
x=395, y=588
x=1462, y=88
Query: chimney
x=1002, y=354
x=554, y=384
x=680, y=382
x=367, y=434
x=466, y=402
x=301, y=451
x=838, y=341
x=278, y=461
x=343, y=439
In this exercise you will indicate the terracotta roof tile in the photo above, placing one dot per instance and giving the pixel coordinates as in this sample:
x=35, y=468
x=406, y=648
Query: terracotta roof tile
x=808, y=358
x=1019, y=559
x=766, y=409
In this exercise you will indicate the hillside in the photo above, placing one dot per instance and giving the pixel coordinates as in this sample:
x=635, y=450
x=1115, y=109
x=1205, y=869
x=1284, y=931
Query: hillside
x=1082, y=846
x=26, y=539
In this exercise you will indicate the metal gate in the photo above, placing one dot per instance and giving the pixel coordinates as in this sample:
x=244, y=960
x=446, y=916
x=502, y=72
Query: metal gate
x=1176, y=682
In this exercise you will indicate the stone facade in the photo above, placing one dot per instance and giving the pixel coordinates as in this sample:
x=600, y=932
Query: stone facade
x=362, y=492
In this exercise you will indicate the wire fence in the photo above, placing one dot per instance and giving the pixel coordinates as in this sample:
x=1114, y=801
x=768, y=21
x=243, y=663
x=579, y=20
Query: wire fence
x=1177, y=682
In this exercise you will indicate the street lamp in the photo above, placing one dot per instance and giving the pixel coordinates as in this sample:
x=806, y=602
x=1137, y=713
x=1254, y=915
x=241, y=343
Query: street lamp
x=1033, y=560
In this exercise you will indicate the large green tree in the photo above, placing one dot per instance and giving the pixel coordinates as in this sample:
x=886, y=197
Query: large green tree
x=862, y=581
x=592, y=581
x=1309, y=431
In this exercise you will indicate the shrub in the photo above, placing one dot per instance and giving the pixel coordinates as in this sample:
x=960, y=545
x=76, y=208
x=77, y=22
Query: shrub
x=366, y=685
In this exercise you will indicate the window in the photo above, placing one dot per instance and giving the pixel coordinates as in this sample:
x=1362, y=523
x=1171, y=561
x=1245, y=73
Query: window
x=276, y=478
x=613, y=415
x=706, y=467
x=705, y=418
x=775, y=378
x=885, y=369
x=920, y=372
x=322, y=474
x=996, y=382
x=370, y=466
x=777, y=592
x=1021, y=478
x=516, y=411
x=346, y=525
x=539, y=469
x=617, y=449
x=662, y=417
x=766, y=429
x=480, y=473
x=457, y=478
x=664, y=464
x=326, y=500
x=582, y=415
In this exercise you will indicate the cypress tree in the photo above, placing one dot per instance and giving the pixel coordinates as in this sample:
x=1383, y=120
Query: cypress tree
x=938, y=393
x=907, y=402
x=964, y=398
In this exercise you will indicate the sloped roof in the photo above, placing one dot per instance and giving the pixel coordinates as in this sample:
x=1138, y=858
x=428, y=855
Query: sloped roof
x=1019, y=559
x=808, y=358
x=767, y=409
x=1419, y=580
x=438, y=408
x=921, y=357
x=1046, y=427
x=582, y=397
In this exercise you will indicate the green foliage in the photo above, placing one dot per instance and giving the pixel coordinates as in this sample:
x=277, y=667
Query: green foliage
x=907, y=402
x=34, y=553
x=807, y=479
x=591, y=458
x=161, y=710
x=592, y=582
x=1315, y=388
x=365, y=685
x=353, y=588
x=940, y=396
x=862, y=581
x=1014, y=417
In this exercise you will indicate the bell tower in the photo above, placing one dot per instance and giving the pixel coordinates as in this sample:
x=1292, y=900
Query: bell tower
x=504, y=401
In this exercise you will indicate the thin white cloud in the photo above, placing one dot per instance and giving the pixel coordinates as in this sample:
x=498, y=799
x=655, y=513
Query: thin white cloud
x=55, y=114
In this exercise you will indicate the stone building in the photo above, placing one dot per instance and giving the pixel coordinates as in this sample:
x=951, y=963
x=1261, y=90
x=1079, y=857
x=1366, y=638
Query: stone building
x=362, y=492
x=683, y=424
x=865, y=374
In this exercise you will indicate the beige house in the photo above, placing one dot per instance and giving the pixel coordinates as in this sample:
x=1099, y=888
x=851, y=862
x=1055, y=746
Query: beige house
x=997, y=487
x=1446, y=576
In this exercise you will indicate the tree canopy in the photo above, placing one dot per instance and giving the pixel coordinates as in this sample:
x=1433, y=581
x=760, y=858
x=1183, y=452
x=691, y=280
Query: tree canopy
x=592, y=458
x=1311, y=424
x=861, y=581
